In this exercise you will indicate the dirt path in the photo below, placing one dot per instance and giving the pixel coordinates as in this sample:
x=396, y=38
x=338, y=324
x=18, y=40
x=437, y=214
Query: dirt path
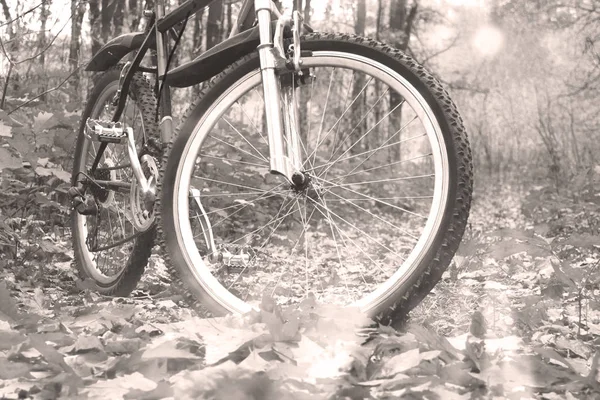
x=510, y=319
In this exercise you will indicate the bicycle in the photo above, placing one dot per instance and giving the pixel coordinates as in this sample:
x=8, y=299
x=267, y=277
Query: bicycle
x=315, y=163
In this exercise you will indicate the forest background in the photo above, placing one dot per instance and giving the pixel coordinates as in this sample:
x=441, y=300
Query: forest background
x=524, y=74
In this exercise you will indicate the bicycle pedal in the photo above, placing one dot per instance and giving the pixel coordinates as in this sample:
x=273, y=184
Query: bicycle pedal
x=106, y=131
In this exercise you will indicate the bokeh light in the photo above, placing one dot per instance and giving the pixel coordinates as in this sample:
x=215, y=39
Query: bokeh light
x=488, y=40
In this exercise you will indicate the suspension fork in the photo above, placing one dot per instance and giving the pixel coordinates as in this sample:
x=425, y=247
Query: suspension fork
x=282, y=129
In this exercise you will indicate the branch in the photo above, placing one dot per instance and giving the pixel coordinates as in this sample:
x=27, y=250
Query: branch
x=49, y=90
x=14, y=62
x=441, y=51
x=5, y=9
x=22, y=15
x=47, y=47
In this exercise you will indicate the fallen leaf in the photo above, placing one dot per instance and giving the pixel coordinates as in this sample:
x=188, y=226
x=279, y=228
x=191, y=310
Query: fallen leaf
x=576, y=347
x=10, y=339
x=87, y=343
x=7, y=161
x=119, y=387
x=435, y=342
x=12, y=370
x=7, y=305
x=553, y=355
x=124, y=346
x=583, y=240
x=168, y=350
x=401, y=363
x=454, y=374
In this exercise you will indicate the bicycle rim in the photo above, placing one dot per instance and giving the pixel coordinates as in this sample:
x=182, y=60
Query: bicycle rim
x=376, y=204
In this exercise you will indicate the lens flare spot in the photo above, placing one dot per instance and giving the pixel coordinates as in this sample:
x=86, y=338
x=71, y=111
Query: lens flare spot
x=488, y=40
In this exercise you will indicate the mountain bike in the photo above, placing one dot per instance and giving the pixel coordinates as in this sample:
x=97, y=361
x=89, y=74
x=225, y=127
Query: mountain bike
x=311, y=164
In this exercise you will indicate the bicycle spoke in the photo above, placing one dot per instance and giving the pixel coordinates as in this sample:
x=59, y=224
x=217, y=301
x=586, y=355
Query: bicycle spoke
x=337, y=249
x=331, y=163
x=341, y=232
x=246, y=203
x=378, y=148
x=377, y=200
x=261, y=228
x=252, y=122
x=228, y=160
x=340, y=118
x=359, y=230
x=358, y=124
x=324, y=111
x=263, y=196
x=361, y=138
x=376, y=216
x=352, y=173
x=261, y=158
x=401, y=178
x=245, y=140
x=231, y=184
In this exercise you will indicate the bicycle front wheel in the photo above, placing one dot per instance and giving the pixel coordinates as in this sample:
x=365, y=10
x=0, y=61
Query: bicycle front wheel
x=382, y=210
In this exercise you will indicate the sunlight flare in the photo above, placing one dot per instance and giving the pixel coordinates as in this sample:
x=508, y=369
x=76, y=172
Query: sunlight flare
x=488, y=40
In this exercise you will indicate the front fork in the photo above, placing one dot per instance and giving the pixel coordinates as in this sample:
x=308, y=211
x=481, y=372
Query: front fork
x=283, y=129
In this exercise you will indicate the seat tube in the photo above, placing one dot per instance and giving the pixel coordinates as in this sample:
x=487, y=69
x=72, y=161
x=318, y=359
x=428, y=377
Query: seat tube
x=279, y=164
x=166, y=122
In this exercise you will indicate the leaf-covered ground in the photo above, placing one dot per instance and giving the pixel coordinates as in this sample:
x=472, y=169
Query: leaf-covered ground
x=517, y=315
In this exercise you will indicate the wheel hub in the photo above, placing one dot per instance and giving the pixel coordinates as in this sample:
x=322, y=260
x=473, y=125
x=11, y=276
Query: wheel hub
x=305, y=184
x=103, y=196
x=142, y=203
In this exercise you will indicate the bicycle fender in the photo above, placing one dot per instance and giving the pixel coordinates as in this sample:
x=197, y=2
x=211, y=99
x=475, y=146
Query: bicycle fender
x=216, y=59
x=115, y=49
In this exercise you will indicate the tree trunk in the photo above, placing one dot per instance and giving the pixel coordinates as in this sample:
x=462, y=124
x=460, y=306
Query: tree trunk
x=44, y=12
x=303, y=95
x=307, y=12
x=229, y=21
x=401, y=22
x=358, y=125
x=108, y=8
x=379, y=18
x=12, y=50
x=214, y=23
x=8, y=17
x=77, y=12
x=118, y=17
x=95, y=25
x=133, y=13
x=197, y=45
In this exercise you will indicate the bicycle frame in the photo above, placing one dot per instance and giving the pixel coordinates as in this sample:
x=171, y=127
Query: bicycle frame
x=282, y=133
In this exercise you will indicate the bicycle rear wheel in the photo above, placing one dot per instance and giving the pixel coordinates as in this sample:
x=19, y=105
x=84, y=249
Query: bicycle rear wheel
x=113, y=244
x=378, y=219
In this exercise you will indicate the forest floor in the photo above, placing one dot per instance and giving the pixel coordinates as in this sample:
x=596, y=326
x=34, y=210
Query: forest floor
x=517, y=315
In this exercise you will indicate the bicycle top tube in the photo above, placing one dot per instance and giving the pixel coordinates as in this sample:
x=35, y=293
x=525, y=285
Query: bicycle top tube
x=193, y=6
x=181, y=12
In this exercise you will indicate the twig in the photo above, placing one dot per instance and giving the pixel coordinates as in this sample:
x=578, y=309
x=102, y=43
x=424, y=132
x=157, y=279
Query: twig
x=47, y=91
x=10, y=68
x=594, y=371
x=39, y=53
x=22, y=15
